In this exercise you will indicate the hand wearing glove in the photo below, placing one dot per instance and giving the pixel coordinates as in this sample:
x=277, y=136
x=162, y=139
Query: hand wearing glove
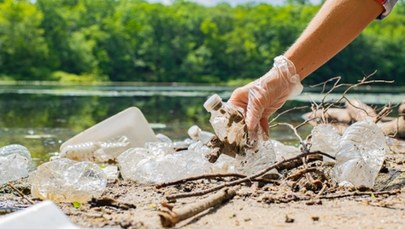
x=264, y=96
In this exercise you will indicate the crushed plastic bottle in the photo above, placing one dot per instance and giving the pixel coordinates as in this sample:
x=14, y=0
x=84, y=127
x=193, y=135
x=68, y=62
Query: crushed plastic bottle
x=284, y=152
x=96, y=151
x=15, y=163
x=227, y=120
x=254, y=162
x=155, y=166
x=326, y=139
x=361, y=154
x=167, y=161
x=15, y=149
x=65, y=180
x=111, y=171
x=229, y=126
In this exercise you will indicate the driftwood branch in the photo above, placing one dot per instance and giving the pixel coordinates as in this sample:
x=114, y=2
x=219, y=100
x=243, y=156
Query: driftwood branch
x=169, y=217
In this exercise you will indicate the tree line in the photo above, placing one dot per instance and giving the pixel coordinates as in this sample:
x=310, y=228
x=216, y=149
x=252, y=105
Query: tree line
x=133, y=40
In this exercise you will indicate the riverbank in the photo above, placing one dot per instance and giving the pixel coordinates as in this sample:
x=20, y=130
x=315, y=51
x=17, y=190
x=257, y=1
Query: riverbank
x=126, y=204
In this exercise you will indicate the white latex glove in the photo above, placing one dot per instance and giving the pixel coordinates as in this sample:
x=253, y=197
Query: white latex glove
x=264, y=96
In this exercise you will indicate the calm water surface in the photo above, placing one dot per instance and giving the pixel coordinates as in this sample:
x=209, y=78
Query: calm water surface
x=43, y=116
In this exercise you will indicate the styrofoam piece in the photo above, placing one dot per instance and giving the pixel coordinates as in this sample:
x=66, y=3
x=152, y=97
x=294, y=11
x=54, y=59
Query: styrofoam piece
x=130, y=123
x=42, y=215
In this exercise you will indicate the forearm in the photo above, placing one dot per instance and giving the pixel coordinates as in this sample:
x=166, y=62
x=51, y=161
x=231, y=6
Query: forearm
x=337, y=23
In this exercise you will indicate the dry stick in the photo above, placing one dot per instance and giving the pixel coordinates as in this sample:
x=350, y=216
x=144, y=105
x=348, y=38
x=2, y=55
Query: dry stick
x=169, y=217
x=20, y=193
x=300, y=173
x=204, y=176
x=357, y=193
x=329, y=197
x=208, y=176
x=321, y=191
x=336, y=85
x=291, y=127
x=236, y=182
x=286, y=111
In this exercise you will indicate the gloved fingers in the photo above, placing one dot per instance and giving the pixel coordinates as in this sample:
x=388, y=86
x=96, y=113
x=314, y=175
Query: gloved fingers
x=239, y=97
x=264, y=124
x=256, y=106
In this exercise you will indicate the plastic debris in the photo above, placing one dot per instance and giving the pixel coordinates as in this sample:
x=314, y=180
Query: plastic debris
x=326, y=139
x=283, y=152
x=229, y=124
x=254, y=162
x=167, y=161
x=65, y=180
x=197, y=134
x=361, y=155
x=160, y=163
x=111, y=171
x=96, y=151
x=15, y=149
x=15, y=163
x=41, y=215
x=109, y=138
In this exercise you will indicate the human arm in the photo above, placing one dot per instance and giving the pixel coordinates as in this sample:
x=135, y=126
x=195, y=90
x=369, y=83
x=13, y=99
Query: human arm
x=335, y=25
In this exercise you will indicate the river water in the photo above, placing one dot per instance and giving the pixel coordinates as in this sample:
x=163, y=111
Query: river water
x=41, y=116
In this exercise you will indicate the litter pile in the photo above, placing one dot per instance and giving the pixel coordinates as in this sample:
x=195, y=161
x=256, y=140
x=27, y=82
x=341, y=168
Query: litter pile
x=126, y=144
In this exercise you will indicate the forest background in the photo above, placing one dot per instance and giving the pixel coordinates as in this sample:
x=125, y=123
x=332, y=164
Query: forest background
x=138, y=41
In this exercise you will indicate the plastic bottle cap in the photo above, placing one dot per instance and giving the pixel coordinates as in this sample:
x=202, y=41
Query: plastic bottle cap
x=194, y=132
x=212, y=102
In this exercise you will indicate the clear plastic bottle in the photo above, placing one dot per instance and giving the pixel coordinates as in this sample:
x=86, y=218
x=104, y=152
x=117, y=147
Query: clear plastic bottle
x=129, y=123
x=361, y=154
x=65, y=180
x=227, y=120
x=197, y=134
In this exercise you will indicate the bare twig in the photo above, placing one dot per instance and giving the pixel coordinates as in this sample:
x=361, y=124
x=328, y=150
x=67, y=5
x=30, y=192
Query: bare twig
x=324, y=106
x=358, y=193
x=271, y=199
x=291, y=127
x=286, y=111
x=20, y=193
x=236, y=182
x=321, y=191
x=300, y=173
x=169, y=217
x=209, y=176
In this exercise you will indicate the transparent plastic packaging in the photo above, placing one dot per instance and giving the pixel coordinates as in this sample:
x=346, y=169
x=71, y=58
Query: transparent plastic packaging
x=161, y=165
x=254, y=162
x=65, y=180
x=127, y=129
x=229, y=125
x=96, y=151
x=15, y=163
x=361, y=154
x=283, y=152
x=326, y=139
x=227, y=120
x=167, y=161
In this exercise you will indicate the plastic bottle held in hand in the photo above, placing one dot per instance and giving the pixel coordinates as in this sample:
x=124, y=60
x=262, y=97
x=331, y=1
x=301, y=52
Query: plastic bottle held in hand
x=227, y=120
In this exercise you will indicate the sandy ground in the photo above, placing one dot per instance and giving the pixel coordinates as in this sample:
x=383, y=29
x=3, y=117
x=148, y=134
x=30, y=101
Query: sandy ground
x=127, y=204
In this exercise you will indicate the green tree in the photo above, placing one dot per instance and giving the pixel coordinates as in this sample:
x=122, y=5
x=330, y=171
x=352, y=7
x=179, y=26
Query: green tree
x=23, y=50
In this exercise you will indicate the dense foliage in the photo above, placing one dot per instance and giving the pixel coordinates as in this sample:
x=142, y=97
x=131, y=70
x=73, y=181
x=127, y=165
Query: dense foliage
x=133, y=40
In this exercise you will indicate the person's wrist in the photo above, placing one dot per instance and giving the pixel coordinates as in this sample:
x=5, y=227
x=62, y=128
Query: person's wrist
x=289, y=73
